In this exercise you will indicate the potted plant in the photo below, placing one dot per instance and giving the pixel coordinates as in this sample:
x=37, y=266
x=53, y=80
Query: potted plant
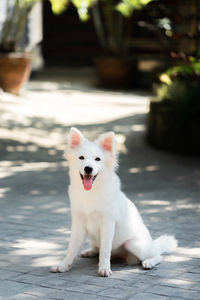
x=113, y=27
x=174, y=117
x=15, y=63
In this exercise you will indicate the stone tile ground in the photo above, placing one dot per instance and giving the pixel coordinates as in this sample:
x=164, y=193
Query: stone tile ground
x=34, y=208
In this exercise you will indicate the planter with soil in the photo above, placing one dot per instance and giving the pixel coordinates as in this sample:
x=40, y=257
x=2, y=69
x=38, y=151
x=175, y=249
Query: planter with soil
x=174, y=117
x=167, y=130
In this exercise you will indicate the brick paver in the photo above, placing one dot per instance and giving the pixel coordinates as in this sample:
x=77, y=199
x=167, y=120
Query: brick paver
x=34, y=212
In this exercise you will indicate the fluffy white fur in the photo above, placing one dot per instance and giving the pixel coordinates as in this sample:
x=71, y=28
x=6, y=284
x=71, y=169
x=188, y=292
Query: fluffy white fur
x=103, y=212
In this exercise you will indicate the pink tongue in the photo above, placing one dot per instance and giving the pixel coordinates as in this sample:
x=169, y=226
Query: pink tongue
x=87, y=182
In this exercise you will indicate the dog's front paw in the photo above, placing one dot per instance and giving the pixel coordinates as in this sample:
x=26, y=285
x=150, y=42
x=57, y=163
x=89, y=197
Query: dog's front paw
x=61, y=268
x=104, y=272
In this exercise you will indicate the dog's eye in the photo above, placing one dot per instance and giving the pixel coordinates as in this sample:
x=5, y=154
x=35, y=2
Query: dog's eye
x=81, y=157
x=97, y=158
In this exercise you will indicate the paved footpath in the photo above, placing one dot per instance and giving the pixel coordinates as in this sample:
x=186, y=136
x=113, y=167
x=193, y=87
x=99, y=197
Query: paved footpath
x=34, y=208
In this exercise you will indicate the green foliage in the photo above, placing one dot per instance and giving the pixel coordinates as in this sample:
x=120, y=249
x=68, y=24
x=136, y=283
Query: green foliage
x=171, y=92
x=27, y=2
x=82, y=6
x=190, y=69
x=58, y=6
x=174, y=121
x=180, y=86
x=13, y=26
x=126, y=7
x=105, y=14
x=110, y=36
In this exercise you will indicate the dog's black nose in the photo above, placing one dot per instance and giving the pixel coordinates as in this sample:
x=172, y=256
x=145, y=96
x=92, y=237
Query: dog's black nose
x=88, y=170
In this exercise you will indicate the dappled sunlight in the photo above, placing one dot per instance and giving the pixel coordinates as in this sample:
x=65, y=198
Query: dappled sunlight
x=63, y=230
x=192, y=252
x=138, y=127
x=99, y=106
x=35, y=125
x=54, y=206
x=20, y=172
x=155, y=202
x=156, y=207
x=5, y=173
x=18, y=167
x=124, y=129
x=27, y=207
x=151, y=168
x=47, y=261
x=178, y=282
x=35, y=192
x=177, y=259
x=152, y=211
x=182, y=285
x=37, y=253
x=61, y=210
x=187, y=205
x=18, y=217
x=35, y=246
x=3, y=191
x=32, y=135
x=48, y=85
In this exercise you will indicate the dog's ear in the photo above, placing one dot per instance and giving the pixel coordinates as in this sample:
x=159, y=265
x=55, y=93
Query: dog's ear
x=75, y=138
x=108, y=143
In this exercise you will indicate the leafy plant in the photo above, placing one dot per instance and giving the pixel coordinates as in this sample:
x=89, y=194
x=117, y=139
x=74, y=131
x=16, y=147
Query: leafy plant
x=110, y=20
x=106, y=15
x=186, y=71
x=13, y=27
x=125, y=7
x=17, y=12
x=180, y=86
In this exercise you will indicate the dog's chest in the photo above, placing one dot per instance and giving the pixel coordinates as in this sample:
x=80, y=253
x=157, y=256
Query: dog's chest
x=93, y=223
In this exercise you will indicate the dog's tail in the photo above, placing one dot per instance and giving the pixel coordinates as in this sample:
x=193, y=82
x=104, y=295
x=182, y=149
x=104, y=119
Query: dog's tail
x=165, y=244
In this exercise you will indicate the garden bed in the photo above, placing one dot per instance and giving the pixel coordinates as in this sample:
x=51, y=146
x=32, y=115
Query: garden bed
x=167, y=130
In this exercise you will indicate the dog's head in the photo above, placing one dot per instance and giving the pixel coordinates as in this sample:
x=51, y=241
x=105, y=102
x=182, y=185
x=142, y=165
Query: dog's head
x=91, y=159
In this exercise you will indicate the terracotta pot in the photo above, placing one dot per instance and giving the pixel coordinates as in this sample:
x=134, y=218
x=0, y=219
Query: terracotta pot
x=14, y=71
x=114, y=72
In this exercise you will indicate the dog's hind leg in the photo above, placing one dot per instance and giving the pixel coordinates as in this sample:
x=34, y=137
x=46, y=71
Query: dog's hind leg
x=149, y=263
x=132, y=259
x=123, y=254
x=145, y=251
x=93, y=252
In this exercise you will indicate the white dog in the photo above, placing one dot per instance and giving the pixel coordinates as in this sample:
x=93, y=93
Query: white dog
x=101, y=210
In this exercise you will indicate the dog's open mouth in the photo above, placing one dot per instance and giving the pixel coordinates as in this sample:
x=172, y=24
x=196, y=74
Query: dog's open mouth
x=88, y=181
